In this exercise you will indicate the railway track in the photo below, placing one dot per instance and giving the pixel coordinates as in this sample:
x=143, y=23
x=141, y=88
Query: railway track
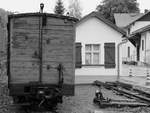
x=134, y=98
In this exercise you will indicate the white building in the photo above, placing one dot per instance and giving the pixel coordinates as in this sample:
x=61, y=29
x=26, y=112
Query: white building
x=123, y=20
x=129, y=52
x=140, y=35
x=99, y=41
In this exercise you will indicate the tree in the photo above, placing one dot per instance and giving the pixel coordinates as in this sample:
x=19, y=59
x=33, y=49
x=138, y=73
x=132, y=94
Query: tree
x=75, y=9
x=108, y=7
x=3, y=31
x=59, y=8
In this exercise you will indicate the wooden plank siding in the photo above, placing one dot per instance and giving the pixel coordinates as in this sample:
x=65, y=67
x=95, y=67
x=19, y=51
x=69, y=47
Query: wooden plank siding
x=58, y=47
x=24, y=42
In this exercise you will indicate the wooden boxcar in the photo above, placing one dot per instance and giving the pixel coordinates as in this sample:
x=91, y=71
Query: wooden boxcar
x=41, y=54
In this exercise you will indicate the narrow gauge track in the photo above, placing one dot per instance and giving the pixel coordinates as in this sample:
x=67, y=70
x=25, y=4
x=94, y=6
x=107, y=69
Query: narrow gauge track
x=125, y=90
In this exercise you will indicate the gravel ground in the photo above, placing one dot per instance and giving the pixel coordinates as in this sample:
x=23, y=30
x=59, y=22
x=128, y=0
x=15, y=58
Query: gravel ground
x=5, y=100
x=82, y=102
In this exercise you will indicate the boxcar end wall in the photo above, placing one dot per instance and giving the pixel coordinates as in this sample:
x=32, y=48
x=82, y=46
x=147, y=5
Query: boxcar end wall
x=37, y=44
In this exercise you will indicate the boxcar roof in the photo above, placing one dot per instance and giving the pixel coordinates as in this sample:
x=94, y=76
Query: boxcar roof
x=40, y=14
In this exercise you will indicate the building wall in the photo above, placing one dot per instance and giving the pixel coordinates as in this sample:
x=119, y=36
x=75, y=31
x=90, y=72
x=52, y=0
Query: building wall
x=94, y=31
x=143, y=47
x=132, y=54
x=137, y=25
x=125, y=49
x=147, y=54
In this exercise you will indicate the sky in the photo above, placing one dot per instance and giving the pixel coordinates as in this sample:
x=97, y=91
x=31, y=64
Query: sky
x=24, y=6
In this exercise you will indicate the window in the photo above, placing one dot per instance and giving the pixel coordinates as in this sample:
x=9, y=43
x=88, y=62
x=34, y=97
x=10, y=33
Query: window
x=128, y=31
x=128, y=52
x=92, y=54
x=142, y=45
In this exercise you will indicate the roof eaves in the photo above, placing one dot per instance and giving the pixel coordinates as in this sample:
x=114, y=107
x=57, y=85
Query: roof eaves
x=40, y=14
x=97, y=15
x=138, y=19
x=132, y=36
x=141, y=30
x=85, y=18
x=111, y=24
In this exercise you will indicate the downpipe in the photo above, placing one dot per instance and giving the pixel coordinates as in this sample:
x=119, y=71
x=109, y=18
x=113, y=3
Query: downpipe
x=118, y=59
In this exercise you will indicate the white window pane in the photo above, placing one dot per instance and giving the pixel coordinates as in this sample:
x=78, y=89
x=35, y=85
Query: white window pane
x=88, y=58
x=88, y=47
x=96, y=47
x=95, y=58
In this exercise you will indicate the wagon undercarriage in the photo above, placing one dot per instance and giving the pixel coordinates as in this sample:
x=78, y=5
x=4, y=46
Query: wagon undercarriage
x=40, y=96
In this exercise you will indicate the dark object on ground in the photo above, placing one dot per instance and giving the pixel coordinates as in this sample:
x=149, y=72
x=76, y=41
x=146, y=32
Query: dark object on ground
x=134, y=99
x=130, y=62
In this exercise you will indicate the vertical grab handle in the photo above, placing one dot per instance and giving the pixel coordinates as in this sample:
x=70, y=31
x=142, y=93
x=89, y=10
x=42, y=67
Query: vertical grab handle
x=60, y=70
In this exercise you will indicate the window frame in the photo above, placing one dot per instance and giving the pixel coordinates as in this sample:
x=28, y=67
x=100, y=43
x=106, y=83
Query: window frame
x=92, y=52
x=129, y=52
x=142, y=45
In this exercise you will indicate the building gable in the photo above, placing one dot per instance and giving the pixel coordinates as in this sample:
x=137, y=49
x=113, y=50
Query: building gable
x=139, y=24
x=97, y=30
x=101, y=18
x=145, y=17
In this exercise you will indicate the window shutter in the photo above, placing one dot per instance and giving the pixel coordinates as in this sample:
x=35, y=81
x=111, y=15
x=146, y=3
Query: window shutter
x=78, y=55
x=109, y=55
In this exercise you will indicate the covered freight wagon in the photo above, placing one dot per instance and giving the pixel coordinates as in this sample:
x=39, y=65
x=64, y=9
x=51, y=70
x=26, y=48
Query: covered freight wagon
x=41, y=55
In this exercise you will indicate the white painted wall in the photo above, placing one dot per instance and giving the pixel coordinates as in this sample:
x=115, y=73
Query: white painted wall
x=143, y=52
x=147, y=47
x=125, y=52
x=136, y=71
x=139, y=24
x=94, y=31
